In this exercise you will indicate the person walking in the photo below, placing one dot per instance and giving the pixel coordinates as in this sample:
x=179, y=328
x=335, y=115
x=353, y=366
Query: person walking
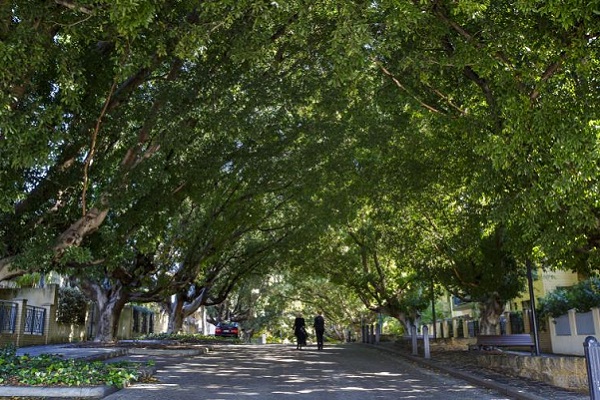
x=300, y=331
x=319, y=325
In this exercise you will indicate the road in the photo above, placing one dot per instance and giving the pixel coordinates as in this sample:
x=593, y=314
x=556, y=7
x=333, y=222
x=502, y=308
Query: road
x=266, y=372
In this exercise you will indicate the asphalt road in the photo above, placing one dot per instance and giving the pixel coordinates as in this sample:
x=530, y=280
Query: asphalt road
x=266, y=372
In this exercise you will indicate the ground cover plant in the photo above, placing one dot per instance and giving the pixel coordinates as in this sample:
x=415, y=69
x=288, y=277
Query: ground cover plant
x=52, y=370
x=190, y=338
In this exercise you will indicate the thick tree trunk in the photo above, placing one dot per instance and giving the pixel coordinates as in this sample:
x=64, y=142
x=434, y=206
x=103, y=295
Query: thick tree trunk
x=109, y=305
x=179, y=310
x=175, y=324
x=489, y=317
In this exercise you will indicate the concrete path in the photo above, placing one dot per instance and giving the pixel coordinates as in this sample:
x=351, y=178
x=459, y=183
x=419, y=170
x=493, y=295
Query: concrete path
x=72, y=351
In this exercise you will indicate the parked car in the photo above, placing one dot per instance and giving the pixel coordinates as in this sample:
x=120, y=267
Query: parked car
x=227, y=329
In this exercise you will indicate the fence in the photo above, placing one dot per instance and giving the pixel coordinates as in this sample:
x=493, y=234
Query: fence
x=136, y=321
x=569, y=331
x=22, y=324
x=464, y=327
x=143, y=321
x=8, y=317
x=28, y=317
x=35, y=320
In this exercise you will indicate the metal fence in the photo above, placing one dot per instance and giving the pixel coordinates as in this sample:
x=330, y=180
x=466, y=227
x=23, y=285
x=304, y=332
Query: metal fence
x=35, y=320
x=8, y=316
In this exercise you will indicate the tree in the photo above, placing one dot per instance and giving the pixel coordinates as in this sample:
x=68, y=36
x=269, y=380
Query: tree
x=138, y=114
x=123, y=100
x=513, y=84
x=114, y=114
x=365, y=259
x=486, y=88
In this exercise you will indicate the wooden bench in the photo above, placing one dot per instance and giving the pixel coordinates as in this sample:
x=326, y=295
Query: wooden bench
x=517, y=340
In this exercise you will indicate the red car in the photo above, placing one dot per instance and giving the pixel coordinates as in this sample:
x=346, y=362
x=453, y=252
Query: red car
x=227, y=329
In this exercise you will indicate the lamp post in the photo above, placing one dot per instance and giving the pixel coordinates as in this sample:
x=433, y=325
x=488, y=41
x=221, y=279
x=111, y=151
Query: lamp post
x=536, y=338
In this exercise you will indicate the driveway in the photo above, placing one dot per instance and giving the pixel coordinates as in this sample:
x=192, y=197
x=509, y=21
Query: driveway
x=267, y=372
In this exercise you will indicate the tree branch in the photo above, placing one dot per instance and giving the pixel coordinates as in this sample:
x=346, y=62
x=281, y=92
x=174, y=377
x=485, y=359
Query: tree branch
x=75, y=7
x=548, y=73
x=401, y=86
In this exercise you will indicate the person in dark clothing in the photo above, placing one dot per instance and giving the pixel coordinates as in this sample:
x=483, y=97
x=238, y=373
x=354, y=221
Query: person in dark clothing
x=300, y=331
x=319, y=329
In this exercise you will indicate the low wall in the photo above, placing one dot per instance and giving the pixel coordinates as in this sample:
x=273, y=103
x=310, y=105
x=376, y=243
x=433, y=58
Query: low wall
x=570, y=330
x=62, y=333
x=564, y=371
x=568, y=372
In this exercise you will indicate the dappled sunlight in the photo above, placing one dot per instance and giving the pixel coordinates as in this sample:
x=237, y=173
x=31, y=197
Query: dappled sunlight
x=362, y=389
x=276, y=372
x=155, y=386
x=386, y=374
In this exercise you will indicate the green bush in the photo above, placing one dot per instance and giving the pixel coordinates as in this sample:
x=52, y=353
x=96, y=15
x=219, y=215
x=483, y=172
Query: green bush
x=72, y=306
x=586, y=295
x=581, y=297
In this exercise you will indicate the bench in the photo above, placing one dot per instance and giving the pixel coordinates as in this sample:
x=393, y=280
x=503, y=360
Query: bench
x=517, y=340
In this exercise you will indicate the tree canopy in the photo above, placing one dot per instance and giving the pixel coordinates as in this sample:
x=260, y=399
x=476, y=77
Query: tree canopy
x=144, y=144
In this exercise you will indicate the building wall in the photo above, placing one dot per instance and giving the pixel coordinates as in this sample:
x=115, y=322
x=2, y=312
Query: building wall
x=40, y=298
x=54, y=332
x=544, y=283
x=553, y=279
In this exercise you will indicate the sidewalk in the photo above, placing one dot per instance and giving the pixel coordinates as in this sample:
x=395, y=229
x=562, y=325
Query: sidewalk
x=96, y=352
x=461, y=364
x=73, y=351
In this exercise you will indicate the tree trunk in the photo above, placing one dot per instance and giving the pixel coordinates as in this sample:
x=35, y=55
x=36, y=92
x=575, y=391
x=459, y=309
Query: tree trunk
x=109, y=304
x=490, y=311
x=180, y=310
x=175, y=324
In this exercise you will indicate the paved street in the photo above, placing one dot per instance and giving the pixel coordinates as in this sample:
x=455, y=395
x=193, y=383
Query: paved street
x=280, y=371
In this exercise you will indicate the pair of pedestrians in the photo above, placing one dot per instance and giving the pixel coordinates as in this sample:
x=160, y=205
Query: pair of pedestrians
x=301, y=334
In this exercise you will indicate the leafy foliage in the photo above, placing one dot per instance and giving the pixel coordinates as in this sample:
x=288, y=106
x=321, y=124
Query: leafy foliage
x=582, y=297
x=50, y=370
x=72, y=306
x=556, y=303
x=442, y=121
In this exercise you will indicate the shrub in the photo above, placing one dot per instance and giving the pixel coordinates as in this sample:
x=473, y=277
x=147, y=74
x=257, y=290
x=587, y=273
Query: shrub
x=586, y=295
x=581, y=297
x=72, y=306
